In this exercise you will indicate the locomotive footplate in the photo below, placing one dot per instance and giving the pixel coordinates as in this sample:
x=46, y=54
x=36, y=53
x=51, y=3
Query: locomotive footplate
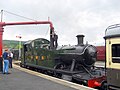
x=91, y=79
x=67, y=72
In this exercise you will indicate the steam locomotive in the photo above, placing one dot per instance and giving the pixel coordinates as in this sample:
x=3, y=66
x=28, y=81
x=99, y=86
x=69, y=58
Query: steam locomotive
x=78, y=54
x=73, y=63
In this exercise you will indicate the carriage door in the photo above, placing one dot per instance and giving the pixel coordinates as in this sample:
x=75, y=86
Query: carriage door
x=113, y=61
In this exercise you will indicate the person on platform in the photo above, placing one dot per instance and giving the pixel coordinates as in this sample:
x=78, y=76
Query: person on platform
x=6, y=62
x=10, y=59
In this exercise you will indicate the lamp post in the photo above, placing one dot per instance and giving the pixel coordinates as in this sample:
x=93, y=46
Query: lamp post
x=19, y=45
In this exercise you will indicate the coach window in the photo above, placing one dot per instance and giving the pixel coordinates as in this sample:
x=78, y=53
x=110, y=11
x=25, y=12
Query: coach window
x=116, y=53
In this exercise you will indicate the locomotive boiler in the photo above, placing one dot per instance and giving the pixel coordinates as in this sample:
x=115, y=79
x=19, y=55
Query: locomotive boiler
x=80, y=54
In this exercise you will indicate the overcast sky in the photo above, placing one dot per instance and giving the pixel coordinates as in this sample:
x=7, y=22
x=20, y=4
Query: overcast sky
x=69, y=17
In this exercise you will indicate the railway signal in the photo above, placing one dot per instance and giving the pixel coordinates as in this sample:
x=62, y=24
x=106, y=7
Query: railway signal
x=19, y=45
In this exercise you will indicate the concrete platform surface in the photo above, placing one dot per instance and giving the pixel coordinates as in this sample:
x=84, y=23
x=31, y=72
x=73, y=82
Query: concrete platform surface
x=20, y=79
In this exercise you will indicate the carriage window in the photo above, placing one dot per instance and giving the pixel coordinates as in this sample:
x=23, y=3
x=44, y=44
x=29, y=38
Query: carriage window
x=116, y=53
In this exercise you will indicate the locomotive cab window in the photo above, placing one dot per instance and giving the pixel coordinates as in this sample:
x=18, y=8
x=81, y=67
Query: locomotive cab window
x=29, y=47
x=32, y=44
x=116, y=53
x=45, y=46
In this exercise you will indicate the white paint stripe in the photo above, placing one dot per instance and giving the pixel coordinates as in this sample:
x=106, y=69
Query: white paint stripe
x=60, y=81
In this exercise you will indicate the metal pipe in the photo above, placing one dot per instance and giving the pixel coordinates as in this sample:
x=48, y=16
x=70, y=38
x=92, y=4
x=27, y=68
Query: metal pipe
x=1, y=60
x=27, y=23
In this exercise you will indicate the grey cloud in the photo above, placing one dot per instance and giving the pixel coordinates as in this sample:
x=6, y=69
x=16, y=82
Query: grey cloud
x=70, y=17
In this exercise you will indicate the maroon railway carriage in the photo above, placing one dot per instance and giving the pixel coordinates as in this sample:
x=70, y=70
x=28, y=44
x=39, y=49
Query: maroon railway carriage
x=100, y=53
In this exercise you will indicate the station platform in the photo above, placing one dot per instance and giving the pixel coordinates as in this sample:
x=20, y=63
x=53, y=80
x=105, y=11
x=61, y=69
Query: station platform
x=24, y=79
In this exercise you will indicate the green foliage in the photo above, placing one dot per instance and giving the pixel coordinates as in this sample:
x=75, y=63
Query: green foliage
x=11, y=44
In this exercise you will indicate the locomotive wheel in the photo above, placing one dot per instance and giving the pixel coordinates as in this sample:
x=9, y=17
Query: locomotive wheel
x=59, y=66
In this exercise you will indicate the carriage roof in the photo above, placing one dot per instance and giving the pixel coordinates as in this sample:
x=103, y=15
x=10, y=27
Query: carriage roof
x=112, y=31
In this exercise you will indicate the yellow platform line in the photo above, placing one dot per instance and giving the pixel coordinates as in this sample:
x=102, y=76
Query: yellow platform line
x=60, y=81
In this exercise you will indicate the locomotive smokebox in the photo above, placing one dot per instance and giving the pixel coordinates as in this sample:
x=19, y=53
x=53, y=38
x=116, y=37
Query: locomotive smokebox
x=80, y=39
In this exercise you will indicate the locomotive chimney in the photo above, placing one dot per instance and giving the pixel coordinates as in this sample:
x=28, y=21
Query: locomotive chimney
x=80, y=39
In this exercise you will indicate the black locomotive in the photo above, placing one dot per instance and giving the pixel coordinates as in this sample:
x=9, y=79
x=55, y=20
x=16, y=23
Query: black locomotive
x=83, y=54
x=73, y=63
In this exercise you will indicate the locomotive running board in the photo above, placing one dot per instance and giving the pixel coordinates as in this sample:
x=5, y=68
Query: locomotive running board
x=67, y=72
x=54, y=70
